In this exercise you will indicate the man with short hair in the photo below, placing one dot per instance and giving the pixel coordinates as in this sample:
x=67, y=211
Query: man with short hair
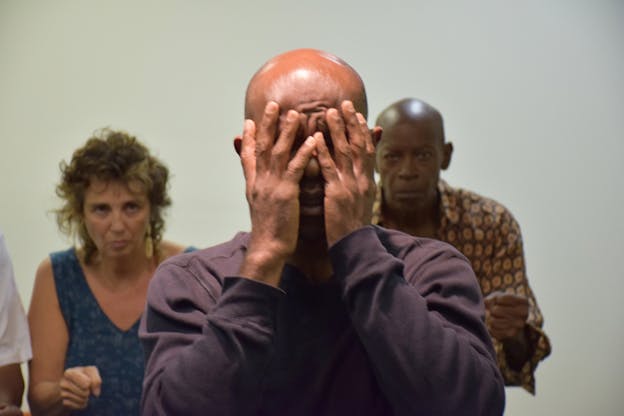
x=412, y=198
x=315, y=311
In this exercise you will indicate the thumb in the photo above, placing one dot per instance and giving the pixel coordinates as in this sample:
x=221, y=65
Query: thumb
x=96, y=380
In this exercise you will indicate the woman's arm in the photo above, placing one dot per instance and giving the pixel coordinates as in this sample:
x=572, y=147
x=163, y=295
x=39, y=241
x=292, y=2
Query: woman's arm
x=49, y=337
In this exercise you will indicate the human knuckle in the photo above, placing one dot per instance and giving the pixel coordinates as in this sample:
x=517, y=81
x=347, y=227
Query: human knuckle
x=343, y=150
x=279, y=152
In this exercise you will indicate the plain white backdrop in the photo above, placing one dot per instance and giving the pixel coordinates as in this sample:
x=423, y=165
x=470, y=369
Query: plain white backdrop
x=532, y=93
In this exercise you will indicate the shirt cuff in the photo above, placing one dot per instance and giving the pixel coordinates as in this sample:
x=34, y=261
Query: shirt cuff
x=248, y=299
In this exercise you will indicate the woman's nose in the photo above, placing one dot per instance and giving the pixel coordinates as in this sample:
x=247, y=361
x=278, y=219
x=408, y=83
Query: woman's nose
x=117, y=222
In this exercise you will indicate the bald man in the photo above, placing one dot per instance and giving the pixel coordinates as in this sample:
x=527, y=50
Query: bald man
x=315, y=311
x=411, y=197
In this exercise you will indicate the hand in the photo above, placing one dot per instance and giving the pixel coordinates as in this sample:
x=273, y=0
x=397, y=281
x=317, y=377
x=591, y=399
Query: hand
x=77, y=384
x=506, y=315
x=9, y=410
x=350, y=185
x=272, y=187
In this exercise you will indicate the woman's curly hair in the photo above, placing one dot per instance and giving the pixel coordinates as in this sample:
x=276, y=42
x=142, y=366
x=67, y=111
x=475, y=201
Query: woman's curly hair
x=110, y=155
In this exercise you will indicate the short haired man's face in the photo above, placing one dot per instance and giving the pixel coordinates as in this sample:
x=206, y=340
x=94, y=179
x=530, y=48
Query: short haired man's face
x=311, y=94
x=409, y=159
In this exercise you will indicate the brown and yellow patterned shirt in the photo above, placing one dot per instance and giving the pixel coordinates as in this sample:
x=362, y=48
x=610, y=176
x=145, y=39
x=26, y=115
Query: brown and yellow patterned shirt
x=489, y=236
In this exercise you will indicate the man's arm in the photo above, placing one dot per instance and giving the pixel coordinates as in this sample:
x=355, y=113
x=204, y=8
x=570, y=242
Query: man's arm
x=428, y=344
x=200, y=360
x=420, y=320
x=223, y=353
x=513, y=315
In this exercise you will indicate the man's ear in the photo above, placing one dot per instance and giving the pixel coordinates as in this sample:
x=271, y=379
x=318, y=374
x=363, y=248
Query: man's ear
x=376, y=135
x=238, y=144
x=448, y=152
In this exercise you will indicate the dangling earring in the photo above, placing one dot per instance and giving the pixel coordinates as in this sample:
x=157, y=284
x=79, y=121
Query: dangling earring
x=149, y=244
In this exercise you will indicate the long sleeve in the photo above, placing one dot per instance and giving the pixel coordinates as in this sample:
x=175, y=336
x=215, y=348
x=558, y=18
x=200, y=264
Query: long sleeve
x=419, y=314
x=506, y=271
x=206, y=346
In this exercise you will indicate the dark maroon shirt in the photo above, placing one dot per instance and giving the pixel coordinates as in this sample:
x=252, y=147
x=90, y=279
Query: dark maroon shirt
x=398, y=330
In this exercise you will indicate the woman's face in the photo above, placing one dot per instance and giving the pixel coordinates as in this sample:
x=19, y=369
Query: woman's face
x=116, y=216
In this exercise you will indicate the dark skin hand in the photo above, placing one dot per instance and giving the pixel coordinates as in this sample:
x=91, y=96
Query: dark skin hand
x=272, y=183
x=272, y=187
x=349, y=182
x=505, y=316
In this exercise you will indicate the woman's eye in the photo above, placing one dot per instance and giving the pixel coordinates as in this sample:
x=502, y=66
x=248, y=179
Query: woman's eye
x=132, y=207
x=100, y=209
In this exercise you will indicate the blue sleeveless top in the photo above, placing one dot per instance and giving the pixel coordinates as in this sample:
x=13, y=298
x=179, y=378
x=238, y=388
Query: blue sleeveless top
x=95, y=340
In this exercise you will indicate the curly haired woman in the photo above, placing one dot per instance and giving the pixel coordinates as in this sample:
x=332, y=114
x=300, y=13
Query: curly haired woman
x=87, y=301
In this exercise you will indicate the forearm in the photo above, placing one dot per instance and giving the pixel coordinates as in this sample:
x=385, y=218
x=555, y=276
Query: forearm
x=225, y=363
x=423, y=359
x=427, y=352
x=11, y=384
x=44, y=398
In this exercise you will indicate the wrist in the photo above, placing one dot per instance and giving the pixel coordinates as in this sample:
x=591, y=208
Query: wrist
x=517, y=350
x=263, y=265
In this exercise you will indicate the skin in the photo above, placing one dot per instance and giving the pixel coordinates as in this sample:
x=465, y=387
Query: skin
x=308, y=159
x=409, y=160
x=11, y=390
x=116, y=216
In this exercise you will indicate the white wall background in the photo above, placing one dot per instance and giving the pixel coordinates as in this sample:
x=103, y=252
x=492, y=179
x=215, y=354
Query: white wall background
x=532, y=93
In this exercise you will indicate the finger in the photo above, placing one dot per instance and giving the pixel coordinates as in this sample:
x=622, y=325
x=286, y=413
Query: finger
x=510, y=299
x=265, y=136
x=248, y=150
x=501, y=333
x=504, y=324
x=507, y=303
x=74, y=401
x=507, y=312
x=510, y=333
x=297, y=165
x=353, y=128
x=78, y=378
x=328, y=167
x=342, y=149
x=364, y=134
x=493, y=296
x=283, y=146
x=504, y=334
x=96, y=380
x=367, y=154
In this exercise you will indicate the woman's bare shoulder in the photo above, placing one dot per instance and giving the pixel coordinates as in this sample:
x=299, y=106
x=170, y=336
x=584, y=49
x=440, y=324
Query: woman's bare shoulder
x=169, y=249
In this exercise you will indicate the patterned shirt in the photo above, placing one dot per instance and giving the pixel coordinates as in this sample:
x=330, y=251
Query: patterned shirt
x=489, y=236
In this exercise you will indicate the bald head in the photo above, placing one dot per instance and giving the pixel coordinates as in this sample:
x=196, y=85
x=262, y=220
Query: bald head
x=307, y=80
x=410, y=156
x=412, y=111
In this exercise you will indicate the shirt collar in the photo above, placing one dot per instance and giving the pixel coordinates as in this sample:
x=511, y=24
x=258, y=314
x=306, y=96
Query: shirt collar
x=448, y=205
